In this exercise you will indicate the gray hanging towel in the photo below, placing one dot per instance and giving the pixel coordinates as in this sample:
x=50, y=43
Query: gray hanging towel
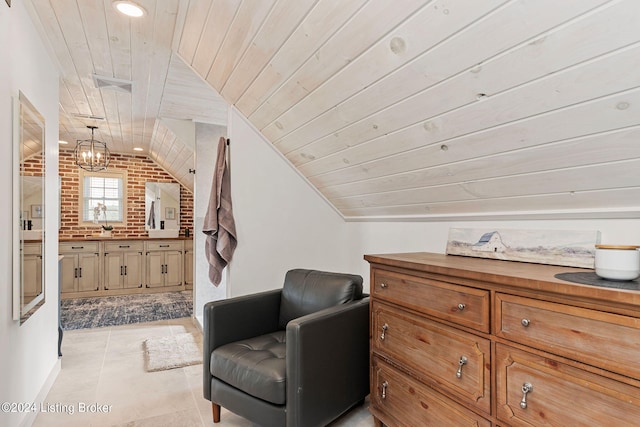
x=152, y=216
x=219, y=225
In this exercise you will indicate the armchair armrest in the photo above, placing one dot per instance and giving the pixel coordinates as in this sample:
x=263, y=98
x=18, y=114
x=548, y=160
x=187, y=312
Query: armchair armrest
x=234, y=319
x=327, y=362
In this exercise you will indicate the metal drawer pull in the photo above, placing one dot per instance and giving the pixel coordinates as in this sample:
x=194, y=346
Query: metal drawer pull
x=463, y=361
x=384, y=330
x=383, y=285
x=384, y=389
x=526, y=388
x=461, y=306
x=525, y=322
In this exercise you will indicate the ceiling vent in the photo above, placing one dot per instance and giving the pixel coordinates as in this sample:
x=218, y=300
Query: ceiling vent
x=89, y=116
x=119, y=85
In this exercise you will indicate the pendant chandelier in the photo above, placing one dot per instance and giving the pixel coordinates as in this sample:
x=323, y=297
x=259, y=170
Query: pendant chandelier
x=92, y=155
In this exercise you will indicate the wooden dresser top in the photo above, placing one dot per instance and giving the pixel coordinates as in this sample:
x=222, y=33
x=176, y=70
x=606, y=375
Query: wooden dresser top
x=507, y=276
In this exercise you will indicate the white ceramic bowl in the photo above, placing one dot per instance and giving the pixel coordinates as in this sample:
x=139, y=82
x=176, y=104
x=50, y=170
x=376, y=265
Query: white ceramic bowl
x=614, y=262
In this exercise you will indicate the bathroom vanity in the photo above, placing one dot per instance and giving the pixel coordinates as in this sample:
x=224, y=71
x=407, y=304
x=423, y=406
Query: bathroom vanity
x=100, y=267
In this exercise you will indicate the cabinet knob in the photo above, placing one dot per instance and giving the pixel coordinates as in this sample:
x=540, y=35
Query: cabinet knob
x=525, y=322
x=384, y=330
x=463, y=361
x=383, y=285
x=526, y=389
x=384, y=390
x=461, y=306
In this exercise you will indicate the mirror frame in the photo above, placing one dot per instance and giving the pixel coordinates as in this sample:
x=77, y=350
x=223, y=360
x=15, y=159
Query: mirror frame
x=21, y=106
x=161, y=210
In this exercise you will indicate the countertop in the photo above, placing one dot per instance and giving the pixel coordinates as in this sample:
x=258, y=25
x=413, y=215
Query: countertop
x=119, y=238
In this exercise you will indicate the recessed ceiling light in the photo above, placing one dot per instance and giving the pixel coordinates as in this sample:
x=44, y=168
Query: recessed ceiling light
x=129, y=8
x=62, y=142
x=137, y=149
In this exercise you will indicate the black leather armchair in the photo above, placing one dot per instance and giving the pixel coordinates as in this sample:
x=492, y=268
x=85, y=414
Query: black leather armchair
x=296, y=356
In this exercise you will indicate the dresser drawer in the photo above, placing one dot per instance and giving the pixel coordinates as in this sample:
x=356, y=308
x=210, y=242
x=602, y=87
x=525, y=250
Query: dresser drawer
x=72, y=247
x=609, y=341
x=136, y=246
x=458, y=304
x=399, y=400
x=457, y=361
x=165, y=246
x=560, y=395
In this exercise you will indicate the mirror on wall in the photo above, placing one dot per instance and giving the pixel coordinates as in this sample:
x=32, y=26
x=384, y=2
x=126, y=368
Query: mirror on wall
x=162, y=206
x=28, y=209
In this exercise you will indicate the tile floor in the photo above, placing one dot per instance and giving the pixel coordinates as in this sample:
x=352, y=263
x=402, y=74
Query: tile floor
x=105, y=366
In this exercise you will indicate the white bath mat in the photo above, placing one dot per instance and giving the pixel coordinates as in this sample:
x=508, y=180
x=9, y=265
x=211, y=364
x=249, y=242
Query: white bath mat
x=170, y=352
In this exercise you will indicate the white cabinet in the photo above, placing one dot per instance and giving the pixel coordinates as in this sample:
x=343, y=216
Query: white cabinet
x=164, y=263
x=80, y=267
x=32, y=270
x=123, y=265
x=188, y=264
x=118, y=267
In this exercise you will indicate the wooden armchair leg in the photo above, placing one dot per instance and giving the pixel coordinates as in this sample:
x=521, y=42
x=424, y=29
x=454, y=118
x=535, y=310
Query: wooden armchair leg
x=216, y=412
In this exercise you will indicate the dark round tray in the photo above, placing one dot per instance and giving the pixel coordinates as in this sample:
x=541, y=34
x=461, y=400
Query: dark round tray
x=589, y=278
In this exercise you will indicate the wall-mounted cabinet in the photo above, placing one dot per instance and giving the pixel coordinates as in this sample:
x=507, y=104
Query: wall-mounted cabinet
x=119, y=267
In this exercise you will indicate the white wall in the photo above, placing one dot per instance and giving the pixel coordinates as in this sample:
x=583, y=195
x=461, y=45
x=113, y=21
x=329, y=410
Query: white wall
x=206, y=143
x=282, y=223
x=388, y=237
x=28, y=353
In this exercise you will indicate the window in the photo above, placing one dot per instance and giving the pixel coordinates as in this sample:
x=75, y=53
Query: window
x=105, y=188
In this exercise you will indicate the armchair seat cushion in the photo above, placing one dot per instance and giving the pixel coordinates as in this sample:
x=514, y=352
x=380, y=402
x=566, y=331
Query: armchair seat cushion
x=256, y=366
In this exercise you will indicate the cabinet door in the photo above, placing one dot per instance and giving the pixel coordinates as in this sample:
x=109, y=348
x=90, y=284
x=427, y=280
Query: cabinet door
x=113, y=270
x=132, y=269
x=173, y=268
x=68, y=273
x=32, y=279
x=155, y=269
x=188, y=268
x=89, y=272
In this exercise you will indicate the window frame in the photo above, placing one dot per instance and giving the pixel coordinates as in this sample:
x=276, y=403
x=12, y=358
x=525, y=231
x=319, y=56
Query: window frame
x=114, y=174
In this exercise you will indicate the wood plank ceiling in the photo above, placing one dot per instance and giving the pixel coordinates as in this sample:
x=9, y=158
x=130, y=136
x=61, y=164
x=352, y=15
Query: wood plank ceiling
x=410, y=109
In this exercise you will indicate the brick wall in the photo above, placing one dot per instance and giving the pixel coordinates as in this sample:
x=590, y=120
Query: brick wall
x=140, y=169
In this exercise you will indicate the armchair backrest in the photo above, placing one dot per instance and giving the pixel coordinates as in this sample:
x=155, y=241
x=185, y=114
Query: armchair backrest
x=307, y=291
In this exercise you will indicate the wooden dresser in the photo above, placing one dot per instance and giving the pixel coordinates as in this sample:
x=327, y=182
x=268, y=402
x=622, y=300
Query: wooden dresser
x=458, y=341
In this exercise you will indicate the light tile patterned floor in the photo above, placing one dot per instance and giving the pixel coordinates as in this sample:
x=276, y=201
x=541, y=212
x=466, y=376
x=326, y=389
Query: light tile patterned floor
x=104, y=366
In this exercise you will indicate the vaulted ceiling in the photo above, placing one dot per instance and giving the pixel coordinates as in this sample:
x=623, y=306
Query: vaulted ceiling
x=391, y=109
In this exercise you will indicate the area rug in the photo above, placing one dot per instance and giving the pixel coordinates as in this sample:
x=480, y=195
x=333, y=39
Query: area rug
x=81, y=313
x=170, y=352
